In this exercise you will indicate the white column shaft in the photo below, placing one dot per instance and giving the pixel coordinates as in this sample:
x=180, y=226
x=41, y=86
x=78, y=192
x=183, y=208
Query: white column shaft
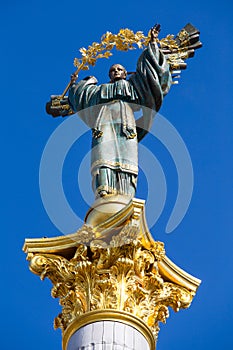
x=107, y=335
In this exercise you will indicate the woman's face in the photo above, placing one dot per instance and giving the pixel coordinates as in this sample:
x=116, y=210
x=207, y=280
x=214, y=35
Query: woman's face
x=117, y=72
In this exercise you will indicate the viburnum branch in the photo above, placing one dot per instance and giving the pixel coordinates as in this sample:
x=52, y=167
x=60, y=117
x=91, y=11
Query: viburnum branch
x=125, y=40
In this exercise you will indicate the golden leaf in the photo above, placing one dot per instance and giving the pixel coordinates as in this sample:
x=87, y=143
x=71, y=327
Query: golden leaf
x=109, y=46
x=169, y=42
x=83, y=51
x=84, y=59
x=77, y=62
x=91, y=61
x=100, y=55
x=107, y=54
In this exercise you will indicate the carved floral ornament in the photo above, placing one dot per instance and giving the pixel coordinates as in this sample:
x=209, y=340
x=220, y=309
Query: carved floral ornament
x=101, y=276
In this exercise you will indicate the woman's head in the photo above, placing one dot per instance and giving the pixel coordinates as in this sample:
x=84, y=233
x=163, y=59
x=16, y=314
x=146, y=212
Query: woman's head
x=117, y=72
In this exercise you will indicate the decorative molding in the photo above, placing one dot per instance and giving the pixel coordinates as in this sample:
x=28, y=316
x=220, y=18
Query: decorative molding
x=109, y=315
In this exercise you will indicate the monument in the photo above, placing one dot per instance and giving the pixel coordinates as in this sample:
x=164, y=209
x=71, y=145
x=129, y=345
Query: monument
x=114, y=282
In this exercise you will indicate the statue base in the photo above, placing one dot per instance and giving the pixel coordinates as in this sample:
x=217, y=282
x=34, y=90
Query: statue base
x=104, y=208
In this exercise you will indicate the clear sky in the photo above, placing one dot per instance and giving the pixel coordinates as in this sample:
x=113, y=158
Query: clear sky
x=39, y=40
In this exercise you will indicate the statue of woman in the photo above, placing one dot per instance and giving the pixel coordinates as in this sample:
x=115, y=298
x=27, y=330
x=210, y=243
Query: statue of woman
x=108, y=109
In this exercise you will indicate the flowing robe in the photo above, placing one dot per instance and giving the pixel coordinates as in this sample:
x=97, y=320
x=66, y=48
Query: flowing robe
x=108, y=109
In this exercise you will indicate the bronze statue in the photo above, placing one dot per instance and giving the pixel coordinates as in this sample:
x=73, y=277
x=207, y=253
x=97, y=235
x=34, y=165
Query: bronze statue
x=109, y=109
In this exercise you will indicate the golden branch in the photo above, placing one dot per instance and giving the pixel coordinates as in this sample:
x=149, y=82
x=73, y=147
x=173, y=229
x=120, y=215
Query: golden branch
x=125, y=40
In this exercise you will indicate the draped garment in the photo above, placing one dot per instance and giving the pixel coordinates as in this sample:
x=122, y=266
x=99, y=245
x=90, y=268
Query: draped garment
x=108, y=109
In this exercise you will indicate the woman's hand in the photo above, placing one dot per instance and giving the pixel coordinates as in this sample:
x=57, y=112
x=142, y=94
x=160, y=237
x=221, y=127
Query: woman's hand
x=73, y=78
x=154, y=32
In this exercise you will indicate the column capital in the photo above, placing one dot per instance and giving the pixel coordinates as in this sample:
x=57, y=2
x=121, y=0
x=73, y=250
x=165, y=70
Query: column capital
x=113, y=270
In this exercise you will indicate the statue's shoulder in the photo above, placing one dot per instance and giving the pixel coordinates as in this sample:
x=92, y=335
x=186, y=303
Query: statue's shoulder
x=86, y=82
x=90, y=80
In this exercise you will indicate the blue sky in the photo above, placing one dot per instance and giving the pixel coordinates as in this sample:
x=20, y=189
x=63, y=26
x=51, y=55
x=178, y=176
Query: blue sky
x=39, y=40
